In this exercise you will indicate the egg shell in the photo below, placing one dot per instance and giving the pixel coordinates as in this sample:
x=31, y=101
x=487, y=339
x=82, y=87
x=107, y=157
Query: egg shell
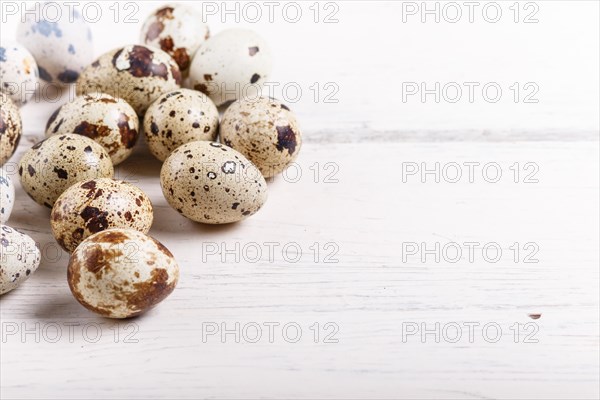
x=230, y=65
x=108, y=120
x=7, y=196
x=60, y=41
x=121, y=273
x=212, y=183
x=11, y=128
x=177, y=30
x=265, y=131
x=58, y=162
x=177, y=118
x=138, y=74
x=96, y=205
x=18, y=72
x=19, y=258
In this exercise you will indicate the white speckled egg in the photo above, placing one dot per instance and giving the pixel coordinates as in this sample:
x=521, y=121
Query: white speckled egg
x=7, y=196
x=212, y=183
x=60, y=161
x=97, y=205
x=135, y=73
x=121, y=273
x=60, y=41
x=19, y=258
x=18, y=73
x=176, y=29
x=11, y=128
x=265, y=131
x=179, y=117
x=108, y=120
x=231, y=65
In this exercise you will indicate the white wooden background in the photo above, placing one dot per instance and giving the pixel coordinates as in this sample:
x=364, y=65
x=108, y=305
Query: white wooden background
x=370, y=294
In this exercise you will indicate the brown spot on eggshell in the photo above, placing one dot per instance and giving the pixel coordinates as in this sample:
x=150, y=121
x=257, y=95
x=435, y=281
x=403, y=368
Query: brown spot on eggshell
x=128, y=135
x=114, y=237
x=165, y=12
x=202, y=88
x=52, y=118
x=95, y=219
x=151, y=292
x=286, y=139
x=61, y=173
x=141, y=63
x=91, y=130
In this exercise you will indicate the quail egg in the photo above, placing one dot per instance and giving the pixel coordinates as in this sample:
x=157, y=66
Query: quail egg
x=109, y=121
x=96, y=205
x=121, y=273
x=19, y=258
x=7, y=196
x=11, y=128
x=212, y=183
x=135, y=73
x=18, y=73
x=59, y=39
x=231, y=65
x=176, y=29
x=54, y=164
x=177, y=118
x=263, y=130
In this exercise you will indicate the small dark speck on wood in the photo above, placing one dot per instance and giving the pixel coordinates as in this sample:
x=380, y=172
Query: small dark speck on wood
x=535, y=316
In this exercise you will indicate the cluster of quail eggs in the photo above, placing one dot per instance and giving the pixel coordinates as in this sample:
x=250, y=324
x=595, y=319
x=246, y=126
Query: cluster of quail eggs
x=167, y=87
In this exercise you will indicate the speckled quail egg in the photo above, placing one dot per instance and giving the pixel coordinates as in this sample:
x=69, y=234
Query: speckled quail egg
x=176, y=29
x=109, y=121
x=7, y=196
x=96, y=205
x=18, y=73
x=11, y=128
x=19, y=258
x=265, y=131
x=231, y=65
x=54, y=164
x=212, y=183
x=59, y=39
x=135, y=73
x=179, y=117
x=121, y=273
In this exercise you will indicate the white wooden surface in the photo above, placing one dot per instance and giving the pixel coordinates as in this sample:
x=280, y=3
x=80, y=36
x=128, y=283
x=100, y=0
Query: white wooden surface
x=370, y=294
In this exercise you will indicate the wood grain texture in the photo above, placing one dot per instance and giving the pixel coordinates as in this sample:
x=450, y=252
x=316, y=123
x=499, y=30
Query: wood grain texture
x=371, y=294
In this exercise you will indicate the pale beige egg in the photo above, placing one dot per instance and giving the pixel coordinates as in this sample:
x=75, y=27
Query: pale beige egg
x=58, y=162
x=265, y=131
x=177, y=118
x=211, y=183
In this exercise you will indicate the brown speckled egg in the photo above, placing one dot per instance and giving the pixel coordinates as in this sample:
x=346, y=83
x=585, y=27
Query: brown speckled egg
x=179, y=117
x=108, y=120
x=212, y=183
x=176, y=29
x=10, y=128
x=96, y=205
x=58, y=162
x=265, y=131
x=121, y=273
x=135, y=73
